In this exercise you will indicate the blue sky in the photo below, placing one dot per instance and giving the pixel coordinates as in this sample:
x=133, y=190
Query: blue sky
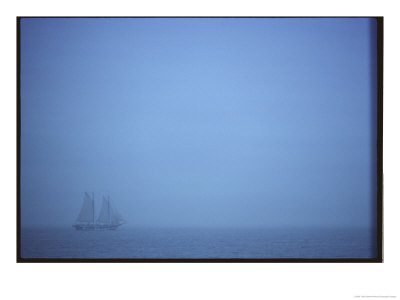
x=200, y=122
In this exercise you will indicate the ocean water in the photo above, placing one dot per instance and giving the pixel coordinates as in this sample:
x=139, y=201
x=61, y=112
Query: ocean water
x=203, y=243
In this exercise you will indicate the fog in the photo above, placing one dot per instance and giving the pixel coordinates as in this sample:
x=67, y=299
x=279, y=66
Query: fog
x=200, y=122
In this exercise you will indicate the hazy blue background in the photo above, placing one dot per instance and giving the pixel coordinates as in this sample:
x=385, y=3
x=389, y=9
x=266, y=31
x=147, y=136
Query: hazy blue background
x=200, y=122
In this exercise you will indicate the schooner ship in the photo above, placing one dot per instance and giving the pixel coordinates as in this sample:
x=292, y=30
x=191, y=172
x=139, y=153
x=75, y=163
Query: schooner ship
x=108, y=219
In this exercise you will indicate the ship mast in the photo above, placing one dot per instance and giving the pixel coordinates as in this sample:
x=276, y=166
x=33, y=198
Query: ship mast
x=93, y=206
x=108, y=206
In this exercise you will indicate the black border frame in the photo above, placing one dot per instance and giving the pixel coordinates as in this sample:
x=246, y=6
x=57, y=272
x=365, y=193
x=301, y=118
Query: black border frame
x=379, y=145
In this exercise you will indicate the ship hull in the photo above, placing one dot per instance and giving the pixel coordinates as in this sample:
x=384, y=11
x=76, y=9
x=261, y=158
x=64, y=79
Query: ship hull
x=96, y=227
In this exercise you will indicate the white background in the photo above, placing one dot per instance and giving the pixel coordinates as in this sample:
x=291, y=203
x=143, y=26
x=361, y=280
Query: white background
x=204, y=280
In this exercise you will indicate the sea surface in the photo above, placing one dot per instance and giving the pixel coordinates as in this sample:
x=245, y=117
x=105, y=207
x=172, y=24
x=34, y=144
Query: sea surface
x=195, y=243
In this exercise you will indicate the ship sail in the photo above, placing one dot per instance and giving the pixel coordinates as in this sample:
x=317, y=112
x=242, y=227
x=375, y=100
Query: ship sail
x=104, y=213
x=108, y=214
x=115, y=216
x=86, y=213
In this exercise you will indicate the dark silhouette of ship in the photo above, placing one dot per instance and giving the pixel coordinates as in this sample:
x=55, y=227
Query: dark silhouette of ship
x=108, y=219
